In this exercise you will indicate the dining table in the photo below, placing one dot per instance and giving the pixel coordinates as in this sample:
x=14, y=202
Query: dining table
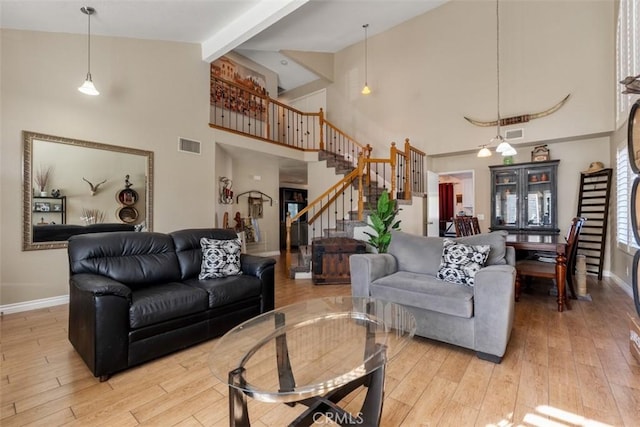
x=546, y=243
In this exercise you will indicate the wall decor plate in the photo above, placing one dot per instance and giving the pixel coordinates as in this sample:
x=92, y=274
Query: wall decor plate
x=635, y=282
x=127, y=214
x=633, y=137
x=127, y=197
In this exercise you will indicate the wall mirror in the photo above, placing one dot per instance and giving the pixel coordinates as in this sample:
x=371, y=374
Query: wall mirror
x=75, y=187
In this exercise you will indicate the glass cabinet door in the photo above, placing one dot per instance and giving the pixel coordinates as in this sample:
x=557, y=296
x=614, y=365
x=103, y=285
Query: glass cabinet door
x=524, y=197
x=538, y=209
x=506, y=198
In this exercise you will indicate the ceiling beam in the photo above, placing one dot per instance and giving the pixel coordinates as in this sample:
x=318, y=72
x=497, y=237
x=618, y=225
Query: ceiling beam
x=258, y=18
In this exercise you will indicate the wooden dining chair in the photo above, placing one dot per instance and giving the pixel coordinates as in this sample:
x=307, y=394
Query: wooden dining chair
x=463, y=226
x=475, y=224
x=547, y=270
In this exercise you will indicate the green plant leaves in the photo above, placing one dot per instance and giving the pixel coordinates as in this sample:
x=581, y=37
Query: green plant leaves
x=383, y=222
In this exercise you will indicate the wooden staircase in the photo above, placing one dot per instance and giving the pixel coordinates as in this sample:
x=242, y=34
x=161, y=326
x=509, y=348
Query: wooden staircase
x=402, y=173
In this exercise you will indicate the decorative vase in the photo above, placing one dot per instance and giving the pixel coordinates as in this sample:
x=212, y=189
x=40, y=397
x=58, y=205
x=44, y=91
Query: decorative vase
x=43, y=193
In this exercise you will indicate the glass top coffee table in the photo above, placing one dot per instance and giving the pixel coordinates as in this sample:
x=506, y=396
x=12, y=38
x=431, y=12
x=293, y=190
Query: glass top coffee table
x=315, y=353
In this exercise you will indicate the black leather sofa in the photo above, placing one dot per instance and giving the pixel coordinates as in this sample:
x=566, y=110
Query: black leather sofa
x=62, y=232
x=136, y=296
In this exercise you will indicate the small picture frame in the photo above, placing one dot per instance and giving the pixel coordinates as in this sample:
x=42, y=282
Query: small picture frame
x=540, y=154
x=42, y=207
x=57, y=207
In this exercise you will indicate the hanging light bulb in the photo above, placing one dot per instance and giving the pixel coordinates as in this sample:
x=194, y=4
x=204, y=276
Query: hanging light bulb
x=88, y=87
x=484, y=152
x=365, y=89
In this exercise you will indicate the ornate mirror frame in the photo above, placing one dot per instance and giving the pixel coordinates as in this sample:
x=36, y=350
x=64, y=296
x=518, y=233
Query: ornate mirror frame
x=27, y=183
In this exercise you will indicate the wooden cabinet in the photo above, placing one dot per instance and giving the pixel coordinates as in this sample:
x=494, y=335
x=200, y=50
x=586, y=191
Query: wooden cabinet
x=524, y=197
x=330, y=258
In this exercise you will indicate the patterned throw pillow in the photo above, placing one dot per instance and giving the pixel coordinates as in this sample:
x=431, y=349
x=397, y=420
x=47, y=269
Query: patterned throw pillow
x=460, y=263
x=220, y=258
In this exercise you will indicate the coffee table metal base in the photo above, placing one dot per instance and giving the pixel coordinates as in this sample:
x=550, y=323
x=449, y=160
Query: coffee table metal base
x=326, y=405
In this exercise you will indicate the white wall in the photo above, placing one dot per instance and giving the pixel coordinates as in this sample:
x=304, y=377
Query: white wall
x=258, y=172
x=430, y=72
x=152, y=93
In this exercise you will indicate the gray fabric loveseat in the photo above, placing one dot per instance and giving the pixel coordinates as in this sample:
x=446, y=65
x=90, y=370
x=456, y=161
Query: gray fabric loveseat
x=478, y=317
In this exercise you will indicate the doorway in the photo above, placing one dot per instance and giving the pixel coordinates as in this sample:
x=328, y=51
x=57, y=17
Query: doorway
x=456, y=197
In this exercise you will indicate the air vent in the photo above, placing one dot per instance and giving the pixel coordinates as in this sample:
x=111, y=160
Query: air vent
x=189, y=146
x=514, y=134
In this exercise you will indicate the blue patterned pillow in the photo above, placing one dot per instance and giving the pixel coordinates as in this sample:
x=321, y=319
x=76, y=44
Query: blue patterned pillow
x=460, y=263
x=220, y=258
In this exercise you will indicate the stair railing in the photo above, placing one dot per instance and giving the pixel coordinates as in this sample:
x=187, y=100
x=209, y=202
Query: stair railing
x=242, y=108
x=408, y=172
x=318, y=209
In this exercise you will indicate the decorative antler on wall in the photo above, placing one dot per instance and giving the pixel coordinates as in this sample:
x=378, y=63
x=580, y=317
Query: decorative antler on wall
x=94, y=188
x=520, y=119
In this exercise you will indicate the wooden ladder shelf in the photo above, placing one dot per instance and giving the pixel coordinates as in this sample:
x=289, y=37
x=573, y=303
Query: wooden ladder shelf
x=593, y=204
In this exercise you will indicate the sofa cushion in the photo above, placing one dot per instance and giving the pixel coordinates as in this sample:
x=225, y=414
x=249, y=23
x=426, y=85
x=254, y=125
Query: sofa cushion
x=426, y=292
x=157, y=303
x=420, y=254
x=220, y=258
x=496, y=239
x=416, y=254
x=226, y=290
x=460, y=262
x=134, y=259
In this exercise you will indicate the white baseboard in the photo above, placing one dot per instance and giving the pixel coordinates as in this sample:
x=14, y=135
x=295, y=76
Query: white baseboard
x=623, y=285
x=33, y=305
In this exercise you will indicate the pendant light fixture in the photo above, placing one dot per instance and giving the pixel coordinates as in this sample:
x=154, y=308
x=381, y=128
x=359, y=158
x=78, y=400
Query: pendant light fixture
x=503, y=147
x=365, y=89
x=484, y=152
x=87, y=87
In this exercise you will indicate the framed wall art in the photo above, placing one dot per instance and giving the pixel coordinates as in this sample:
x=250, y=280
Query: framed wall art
x=633, y=137
x=540, y=154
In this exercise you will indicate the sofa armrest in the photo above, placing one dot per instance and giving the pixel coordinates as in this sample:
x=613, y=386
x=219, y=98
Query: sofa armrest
x=263, y=268
x=99, y=322
x=510, y=255
x=365, y=268
x=494, y=307
x=99, y=285
x=254, y=265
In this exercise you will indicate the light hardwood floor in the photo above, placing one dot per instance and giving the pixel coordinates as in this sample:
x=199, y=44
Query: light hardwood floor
x=560, y=369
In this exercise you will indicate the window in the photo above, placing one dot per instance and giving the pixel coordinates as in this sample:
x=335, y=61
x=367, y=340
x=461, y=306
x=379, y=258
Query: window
x=624, y=181
x=627, y=53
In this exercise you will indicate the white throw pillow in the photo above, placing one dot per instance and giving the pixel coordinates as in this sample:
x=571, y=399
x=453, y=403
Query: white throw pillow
x=220, y=258
x=460, y=262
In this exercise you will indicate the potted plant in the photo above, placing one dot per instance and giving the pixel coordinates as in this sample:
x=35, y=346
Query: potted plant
x=41, y=178
x=383, y=221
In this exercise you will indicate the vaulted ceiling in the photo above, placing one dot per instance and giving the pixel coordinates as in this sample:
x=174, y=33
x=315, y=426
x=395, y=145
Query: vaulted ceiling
x=257, y=29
